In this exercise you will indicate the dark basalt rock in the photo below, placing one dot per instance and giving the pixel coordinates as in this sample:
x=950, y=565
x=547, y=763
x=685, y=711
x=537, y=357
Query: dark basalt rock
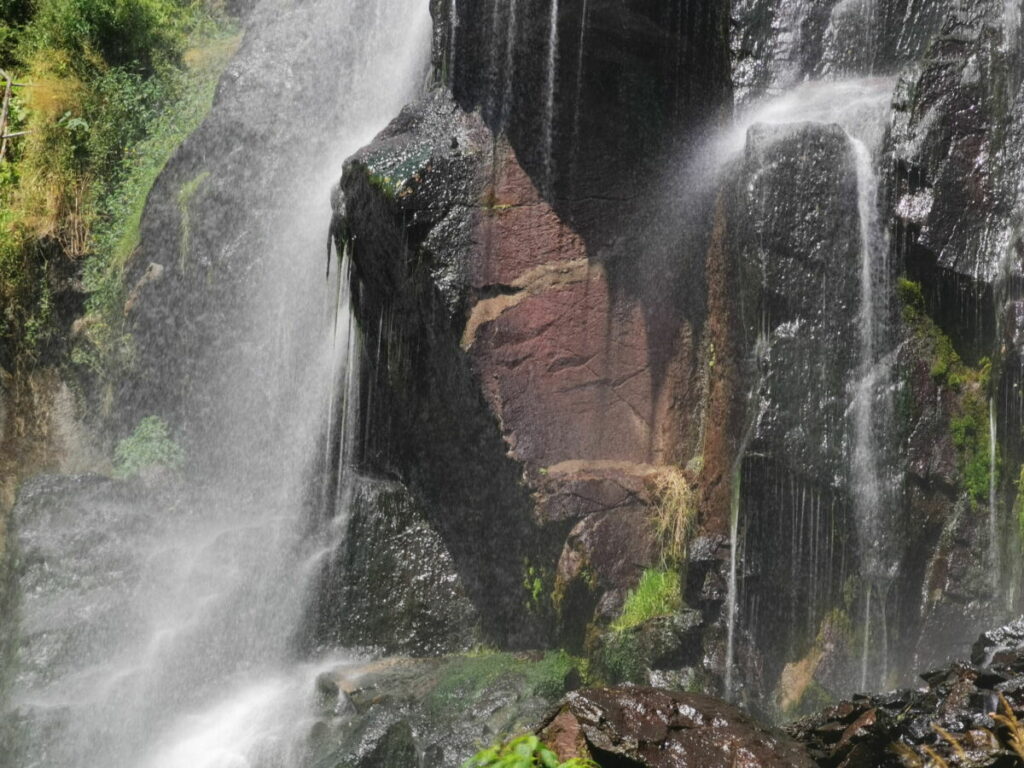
x=1000, y=646
x=649, y=77
x=392, y=557
x=412, y=203
x=655, y=728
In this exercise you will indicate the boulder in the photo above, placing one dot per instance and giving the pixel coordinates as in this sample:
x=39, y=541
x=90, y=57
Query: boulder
x=654, y=728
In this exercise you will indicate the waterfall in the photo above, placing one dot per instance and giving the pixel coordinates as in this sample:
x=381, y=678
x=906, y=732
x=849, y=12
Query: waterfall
x=859, y=107
x=160, y=624
x=732, y=595
x=549, y=106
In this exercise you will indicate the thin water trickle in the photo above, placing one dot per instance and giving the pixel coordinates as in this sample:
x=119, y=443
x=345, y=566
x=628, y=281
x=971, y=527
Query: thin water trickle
x=549, y=107
x=578, y=98
x=453, y=39
x=511, y=33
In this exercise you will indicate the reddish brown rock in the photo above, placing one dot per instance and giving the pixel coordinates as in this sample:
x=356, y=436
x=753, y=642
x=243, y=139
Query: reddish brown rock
x=572, y=490
x=654, y=728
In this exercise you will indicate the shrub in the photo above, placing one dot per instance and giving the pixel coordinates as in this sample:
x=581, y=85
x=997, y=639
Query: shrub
x=149, y=446
x=523, y=752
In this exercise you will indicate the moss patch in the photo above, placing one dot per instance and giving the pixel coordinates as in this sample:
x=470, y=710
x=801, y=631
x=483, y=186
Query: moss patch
x=468, y=677
x=969, y=423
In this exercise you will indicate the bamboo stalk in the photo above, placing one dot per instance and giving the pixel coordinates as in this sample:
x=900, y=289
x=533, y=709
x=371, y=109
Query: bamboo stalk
x=3, y=117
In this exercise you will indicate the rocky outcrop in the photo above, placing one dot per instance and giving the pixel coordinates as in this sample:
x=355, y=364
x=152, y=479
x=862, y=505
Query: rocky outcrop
x=655, y=728
x=518, y=339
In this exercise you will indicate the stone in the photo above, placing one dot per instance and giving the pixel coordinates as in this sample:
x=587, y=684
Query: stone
x=1008, y=640
x=655, y=728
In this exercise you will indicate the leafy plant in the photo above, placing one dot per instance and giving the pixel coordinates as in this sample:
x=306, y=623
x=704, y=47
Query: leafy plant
x=523, y=752
x=150, y=445
x=659, y=593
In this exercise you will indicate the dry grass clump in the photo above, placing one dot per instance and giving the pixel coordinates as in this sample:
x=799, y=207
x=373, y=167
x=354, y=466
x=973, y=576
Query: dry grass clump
x=675, y=513
x=928, y=757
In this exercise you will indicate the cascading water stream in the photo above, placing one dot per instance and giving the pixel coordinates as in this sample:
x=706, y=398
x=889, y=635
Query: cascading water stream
x=578, y=97
x=870, y=505
x=732, y=596
x=159, y=625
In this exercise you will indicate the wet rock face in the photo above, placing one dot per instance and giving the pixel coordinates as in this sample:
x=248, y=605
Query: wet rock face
x=948, y=137
x=777, y=44
x=794, y=224
x=393, y=558
x=654, y=728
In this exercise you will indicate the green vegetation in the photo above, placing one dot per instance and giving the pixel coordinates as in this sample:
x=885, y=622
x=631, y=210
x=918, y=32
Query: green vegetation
x=523, y=752
x=534, y=580
x=469, y=675
x=971, y=437
x=116, y=85
x=969, y=426
x=621, y=658
x=150, y=446
x=659, y=593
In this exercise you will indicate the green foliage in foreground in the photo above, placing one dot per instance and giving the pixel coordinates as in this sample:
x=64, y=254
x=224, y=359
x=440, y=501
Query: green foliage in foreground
x=150, y=446
x=116, y=85
x=523, y=752
x=659, y=593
